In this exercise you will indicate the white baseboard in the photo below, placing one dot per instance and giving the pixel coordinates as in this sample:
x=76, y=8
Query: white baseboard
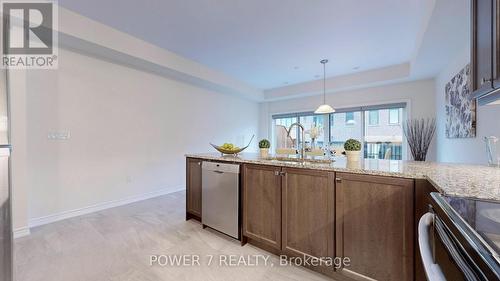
x=101, y=206
x=21, y=232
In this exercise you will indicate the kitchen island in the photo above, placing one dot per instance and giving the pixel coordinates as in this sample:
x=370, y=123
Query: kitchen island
x=366, y=211
x=474, y=181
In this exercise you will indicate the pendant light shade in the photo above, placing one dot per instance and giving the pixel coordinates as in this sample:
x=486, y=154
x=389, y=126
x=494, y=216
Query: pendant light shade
x=324, y=108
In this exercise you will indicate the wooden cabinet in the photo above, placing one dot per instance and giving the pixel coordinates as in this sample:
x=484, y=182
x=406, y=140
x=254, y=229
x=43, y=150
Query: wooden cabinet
x=423, y=199
x=482, y=45
x=262, y=205
x=193, y=188
x=289, y=211
x=308, y=213
x=485, y=50
x=496, y=43
x=374, y=226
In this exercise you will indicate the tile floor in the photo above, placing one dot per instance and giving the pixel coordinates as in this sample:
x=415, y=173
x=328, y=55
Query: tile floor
x=117, y=244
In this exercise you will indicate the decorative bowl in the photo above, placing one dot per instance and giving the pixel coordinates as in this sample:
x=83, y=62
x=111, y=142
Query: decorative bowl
x=231, y=151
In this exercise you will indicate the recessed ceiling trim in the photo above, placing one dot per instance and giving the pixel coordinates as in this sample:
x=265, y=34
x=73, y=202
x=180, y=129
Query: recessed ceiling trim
x=362, y=79
x=263, y=53
x=77, y=33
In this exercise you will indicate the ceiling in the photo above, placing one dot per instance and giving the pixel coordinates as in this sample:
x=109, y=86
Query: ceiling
x=271, y=43
x=447, y=34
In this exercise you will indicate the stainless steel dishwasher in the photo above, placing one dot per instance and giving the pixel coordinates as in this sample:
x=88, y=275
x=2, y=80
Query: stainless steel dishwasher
x=220, y=197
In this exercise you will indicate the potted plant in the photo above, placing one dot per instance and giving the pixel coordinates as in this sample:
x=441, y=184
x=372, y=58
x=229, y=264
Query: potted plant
x=352, y=149
x=419, y=134
x=264, y=148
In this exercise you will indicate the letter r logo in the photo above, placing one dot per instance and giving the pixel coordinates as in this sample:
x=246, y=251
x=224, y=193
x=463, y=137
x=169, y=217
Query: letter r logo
x=27, y=28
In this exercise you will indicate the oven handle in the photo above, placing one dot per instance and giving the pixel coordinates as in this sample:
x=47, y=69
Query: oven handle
x=454, y=251
x=432, y=270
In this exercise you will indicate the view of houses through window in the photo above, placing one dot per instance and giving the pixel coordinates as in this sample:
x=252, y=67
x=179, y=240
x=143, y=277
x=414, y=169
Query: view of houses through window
x=383, y=139
x=344, y=126
x=379, y=128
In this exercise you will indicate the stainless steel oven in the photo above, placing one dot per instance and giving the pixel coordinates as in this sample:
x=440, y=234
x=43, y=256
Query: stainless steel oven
x=459, y=239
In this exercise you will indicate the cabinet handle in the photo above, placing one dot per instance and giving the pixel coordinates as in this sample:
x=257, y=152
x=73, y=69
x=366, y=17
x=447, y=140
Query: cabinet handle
x=484, y=80
x=282, y=174
x=276, y=173
x=339, y=180
x=199, y=163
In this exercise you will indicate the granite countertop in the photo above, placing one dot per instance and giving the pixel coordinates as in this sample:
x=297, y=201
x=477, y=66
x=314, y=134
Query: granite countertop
x=473, y=181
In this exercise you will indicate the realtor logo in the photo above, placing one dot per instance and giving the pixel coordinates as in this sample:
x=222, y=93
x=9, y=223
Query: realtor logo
x=28, y=36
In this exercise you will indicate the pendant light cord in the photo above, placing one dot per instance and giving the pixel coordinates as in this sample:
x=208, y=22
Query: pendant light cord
x=324, y=83
x=324, y=108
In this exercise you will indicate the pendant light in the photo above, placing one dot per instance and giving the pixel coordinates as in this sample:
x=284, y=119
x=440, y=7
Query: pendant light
x=324, y=108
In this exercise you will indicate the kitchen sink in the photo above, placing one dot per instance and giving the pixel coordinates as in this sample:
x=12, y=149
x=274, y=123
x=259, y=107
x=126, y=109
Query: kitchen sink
x=300, y=161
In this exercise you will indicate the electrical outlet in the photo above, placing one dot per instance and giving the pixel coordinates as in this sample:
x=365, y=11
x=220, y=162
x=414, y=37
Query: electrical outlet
x=61, y=136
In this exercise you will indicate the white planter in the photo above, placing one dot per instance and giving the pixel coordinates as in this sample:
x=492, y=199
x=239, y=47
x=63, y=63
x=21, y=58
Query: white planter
x=353, y=165
x=353, y=156
x=264, y=152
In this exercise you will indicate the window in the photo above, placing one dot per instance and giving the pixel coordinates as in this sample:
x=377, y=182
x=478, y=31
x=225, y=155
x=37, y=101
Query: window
x=394, y=116
x=373, y=117
x=349, y=118
x=343, y=130
x=282, y=140
x=313, y=124
x=381, y=140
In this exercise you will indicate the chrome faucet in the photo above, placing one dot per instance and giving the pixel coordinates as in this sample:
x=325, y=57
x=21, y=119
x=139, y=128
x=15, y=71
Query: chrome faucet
x=303, y=148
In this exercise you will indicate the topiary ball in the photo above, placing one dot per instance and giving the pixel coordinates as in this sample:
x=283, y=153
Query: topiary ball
x=264, y=144
x=352, y=145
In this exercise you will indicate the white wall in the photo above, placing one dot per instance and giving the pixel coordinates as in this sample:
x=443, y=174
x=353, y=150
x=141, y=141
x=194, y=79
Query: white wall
x=129, y=132
x=470, y=150
x=418, y=94
x=17, y=99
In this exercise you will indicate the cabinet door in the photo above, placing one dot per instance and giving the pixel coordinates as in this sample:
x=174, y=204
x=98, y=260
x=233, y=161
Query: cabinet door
x=496, y=43
x=482, y=46
x=193, y=188
x=308, y=213
x=374, y=218
x=262, y=204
